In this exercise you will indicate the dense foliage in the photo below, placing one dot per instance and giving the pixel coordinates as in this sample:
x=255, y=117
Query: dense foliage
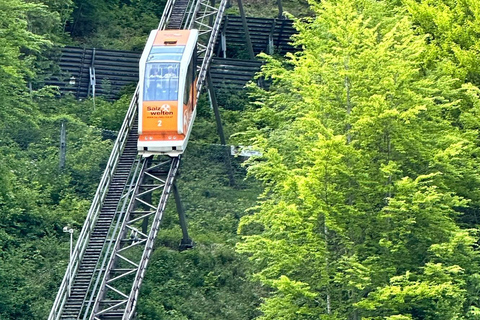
x=115, y=24
x=38, y=198
x=370, y=144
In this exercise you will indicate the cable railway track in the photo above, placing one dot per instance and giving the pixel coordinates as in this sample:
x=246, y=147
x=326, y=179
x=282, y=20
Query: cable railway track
x=108, y=264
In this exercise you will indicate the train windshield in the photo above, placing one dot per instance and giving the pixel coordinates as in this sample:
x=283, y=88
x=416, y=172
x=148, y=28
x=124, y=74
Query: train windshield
x=162, y=53
x=161, y=81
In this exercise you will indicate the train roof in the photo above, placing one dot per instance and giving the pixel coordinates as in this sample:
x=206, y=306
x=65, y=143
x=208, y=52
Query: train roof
x=171, y=37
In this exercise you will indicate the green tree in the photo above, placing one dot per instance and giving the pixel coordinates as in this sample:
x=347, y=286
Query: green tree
x=359, y=193
x=18, y=112
x=49, y=18
x=453, y=33
x=114, y=24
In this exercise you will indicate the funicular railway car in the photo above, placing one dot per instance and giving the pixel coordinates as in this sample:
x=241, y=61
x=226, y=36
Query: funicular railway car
x=167, y=98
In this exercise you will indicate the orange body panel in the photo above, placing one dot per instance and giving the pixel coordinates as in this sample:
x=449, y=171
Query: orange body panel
x=159, y=116
x=188, y=109
x=181, y=37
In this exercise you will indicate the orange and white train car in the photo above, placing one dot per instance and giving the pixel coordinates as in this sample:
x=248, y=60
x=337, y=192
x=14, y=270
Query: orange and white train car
x=167, y=98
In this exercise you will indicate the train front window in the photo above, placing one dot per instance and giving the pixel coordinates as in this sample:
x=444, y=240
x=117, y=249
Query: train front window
x=162, y=53
x=161, y=81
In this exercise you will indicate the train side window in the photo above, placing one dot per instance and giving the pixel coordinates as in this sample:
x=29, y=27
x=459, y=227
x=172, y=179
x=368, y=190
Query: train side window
x=188, y=83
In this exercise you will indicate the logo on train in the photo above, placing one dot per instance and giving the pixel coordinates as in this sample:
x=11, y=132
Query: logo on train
x=164, y=110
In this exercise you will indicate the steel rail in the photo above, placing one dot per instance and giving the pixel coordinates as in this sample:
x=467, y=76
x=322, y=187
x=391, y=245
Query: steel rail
x=199, y=18
x=127, y=198
x=144, y=240
x=114, y=253
x=167, y=11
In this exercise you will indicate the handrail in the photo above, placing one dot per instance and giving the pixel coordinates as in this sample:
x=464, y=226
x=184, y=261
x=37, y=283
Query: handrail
x=92, y=216
x=192, y=4
x=115, y=231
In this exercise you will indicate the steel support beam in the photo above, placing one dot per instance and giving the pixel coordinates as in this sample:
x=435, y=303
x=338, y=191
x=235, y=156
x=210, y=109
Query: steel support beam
x=216, y=110
x=280, y=9
x=125, y=272
x=245, y=28
x=186, y=242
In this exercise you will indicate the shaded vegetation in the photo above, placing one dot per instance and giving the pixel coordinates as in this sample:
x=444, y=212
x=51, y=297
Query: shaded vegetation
x=368, y=181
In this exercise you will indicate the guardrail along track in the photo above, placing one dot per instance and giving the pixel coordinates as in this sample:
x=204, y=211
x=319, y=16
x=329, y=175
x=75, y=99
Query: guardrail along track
x=83, y=266
x=88, y=265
